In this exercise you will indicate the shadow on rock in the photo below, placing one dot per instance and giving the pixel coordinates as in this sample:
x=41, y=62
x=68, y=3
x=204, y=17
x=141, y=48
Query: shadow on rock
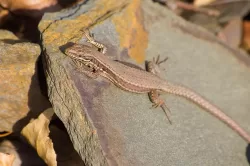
x=37, y=97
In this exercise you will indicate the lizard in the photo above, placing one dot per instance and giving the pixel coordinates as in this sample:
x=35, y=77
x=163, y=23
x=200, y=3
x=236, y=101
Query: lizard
x=151, y=66
x=94, y=64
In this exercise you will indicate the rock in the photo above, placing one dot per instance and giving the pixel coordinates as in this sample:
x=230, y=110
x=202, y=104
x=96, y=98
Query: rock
x=109, y=126
x=7, y=35
x=20, y=93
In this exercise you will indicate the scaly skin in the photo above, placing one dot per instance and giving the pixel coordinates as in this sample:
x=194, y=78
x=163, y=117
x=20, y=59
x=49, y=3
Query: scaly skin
x=140, y=81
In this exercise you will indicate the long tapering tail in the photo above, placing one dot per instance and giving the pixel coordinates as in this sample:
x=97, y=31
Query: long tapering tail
x=200, y=101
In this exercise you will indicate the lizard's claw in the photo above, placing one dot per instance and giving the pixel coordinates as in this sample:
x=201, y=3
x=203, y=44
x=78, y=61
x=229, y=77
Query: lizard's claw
x=158, y=62
x=164, y=108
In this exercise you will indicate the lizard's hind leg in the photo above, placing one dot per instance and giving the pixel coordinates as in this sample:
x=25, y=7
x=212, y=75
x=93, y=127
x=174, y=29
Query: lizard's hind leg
x=158, y=102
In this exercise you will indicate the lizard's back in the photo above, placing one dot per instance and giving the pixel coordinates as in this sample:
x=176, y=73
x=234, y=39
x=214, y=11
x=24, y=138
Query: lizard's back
x=131, y=76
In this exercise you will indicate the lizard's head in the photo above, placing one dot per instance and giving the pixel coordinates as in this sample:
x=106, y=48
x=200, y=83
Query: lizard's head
x=79, y=52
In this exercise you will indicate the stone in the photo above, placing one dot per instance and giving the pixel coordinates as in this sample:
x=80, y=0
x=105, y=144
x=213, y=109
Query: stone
x=109, y=126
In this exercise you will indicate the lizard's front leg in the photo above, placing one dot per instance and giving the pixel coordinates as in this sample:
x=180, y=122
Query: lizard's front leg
x=154, y=66
x=92, y=41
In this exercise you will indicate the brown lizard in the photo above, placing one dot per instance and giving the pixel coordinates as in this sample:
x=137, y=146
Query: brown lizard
x=93, y=63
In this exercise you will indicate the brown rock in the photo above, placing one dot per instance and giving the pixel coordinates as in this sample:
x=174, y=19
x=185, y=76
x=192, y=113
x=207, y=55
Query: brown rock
x=20, y=93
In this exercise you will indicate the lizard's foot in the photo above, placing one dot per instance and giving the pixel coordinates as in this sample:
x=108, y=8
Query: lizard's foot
x=157, y=60
x=154, y=65
x=92, y=41
x=157, y=64
x=161, y=104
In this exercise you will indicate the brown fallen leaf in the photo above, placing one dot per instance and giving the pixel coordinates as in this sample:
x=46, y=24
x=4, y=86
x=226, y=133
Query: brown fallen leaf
x=6, y=159
x=5, y=133
x=33, y=8
x=232, y=32
x=8, y=154
x=37, y=134
x=174, y=5
x=246, y=36
x=230, y=9
x=199, y=3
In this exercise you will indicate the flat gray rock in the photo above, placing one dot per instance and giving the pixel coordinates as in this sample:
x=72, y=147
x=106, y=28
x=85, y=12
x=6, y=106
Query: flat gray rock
x=109, y=126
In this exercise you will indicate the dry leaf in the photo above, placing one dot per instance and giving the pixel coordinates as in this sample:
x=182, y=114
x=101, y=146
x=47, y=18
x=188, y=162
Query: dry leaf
x=199, y=3
x=6, y=159
x=232, y=32
x=175, y=5
x=30, y=7
x=230, y=9
x=27, y=4
x=246, y=35
x=37, y=134
x=8, y=154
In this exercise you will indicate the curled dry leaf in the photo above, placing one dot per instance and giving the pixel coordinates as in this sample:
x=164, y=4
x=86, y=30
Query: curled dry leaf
x=199, y=3
x=174, y=5
x=33, y=8
x=232, y=32
x=37, y=132
x=27, y=4
x=8, y=154
x=246, y=36
x=5, y=133
x=6, y=159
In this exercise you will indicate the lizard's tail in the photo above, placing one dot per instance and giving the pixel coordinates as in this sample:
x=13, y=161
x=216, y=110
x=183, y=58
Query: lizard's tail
x=200, y=101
